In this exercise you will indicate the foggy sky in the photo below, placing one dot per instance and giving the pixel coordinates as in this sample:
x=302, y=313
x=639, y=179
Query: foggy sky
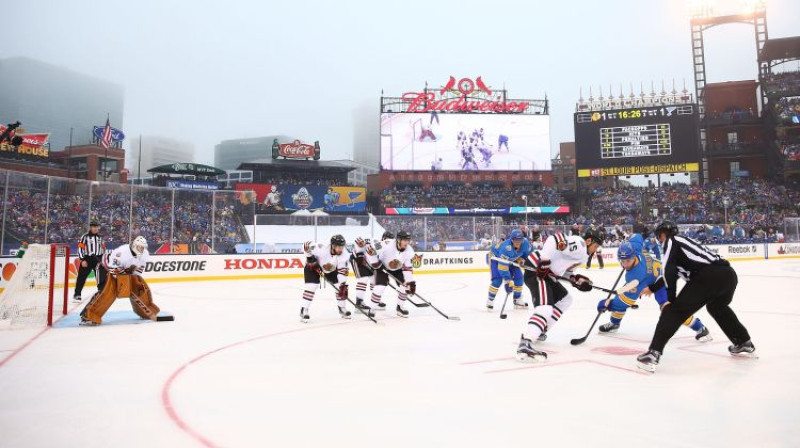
x=205, y=71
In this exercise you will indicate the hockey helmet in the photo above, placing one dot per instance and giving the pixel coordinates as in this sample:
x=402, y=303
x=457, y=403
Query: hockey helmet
x=668, y=227
x=516, y=234
x=626, y=251
x=139, y=245
x=403, y=235
x=387, y=235
x=338, y=240
x=594, y=234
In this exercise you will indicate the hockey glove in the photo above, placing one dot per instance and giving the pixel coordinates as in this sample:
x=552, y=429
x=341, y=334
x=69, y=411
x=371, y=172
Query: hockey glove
x=370, y=250
x=581, y=282
x=341, y=294
x=307, y=248
x=509, y=287
x=543, y=270
x=411, y=287
x=360, y=242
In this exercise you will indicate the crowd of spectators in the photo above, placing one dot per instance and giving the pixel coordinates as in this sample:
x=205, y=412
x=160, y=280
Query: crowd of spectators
x=149, y=214
x=474, y=196
x=783, y=84
x=754, y=207
x=787, y=110
x=742, y=210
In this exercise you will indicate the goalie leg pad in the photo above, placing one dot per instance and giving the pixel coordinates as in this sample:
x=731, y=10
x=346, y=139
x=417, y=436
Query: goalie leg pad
x=101, y=302
x=142, y=299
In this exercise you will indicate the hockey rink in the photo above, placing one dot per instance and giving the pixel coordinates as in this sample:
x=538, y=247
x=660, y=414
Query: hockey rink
x=238, y=369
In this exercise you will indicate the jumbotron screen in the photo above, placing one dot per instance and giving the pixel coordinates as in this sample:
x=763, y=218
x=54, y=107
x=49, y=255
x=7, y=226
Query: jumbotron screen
x=465, y=142
x=644, y=140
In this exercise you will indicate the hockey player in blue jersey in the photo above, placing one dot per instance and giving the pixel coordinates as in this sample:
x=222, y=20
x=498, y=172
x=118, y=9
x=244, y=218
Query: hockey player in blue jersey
x=645, y=243
x=645, y=270
x=515, y=249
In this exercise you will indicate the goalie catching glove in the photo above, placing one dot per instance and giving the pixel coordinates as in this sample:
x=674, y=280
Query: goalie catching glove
x=581, y=282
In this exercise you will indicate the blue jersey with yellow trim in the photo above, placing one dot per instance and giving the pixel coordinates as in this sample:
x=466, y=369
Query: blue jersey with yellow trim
x=646, y=271
x=651, y=245
x=647, y=246
x=505, y=250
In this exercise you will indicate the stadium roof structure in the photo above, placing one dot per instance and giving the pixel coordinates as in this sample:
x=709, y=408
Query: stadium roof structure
x=187, y=168
x=783, y=49
x=299, y=165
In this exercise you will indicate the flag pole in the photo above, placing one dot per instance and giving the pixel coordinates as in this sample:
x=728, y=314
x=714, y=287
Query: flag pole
x=140, y=159
x=105, y=161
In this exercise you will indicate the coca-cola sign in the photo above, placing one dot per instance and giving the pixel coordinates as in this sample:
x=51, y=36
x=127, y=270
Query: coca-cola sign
x=296, y=150
x=463, y=96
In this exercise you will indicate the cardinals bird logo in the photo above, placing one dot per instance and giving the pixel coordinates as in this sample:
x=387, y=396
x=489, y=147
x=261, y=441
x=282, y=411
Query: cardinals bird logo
x=465, y=86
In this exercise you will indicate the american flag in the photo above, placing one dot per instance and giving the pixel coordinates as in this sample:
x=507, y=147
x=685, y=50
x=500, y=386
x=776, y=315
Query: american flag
x=105, y=142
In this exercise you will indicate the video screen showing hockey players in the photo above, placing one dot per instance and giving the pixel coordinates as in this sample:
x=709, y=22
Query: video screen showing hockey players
x=465, y=142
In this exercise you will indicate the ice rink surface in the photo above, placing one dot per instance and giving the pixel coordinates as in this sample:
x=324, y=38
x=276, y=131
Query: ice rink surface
x=238, y=369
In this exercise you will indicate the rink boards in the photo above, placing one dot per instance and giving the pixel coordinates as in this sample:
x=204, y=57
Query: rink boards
x=169, y=268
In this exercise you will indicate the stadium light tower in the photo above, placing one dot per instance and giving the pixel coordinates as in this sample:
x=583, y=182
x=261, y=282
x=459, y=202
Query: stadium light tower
x=705, y=15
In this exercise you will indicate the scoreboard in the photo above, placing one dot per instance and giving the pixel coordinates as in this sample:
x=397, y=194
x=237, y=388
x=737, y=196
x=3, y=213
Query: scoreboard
x=645, y=140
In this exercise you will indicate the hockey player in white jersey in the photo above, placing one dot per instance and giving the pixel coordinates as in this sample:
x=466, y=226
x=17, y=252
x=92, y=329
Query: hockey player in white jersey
x=364, y=272
x=393, y=258
x=330, y=261
x=558, y=257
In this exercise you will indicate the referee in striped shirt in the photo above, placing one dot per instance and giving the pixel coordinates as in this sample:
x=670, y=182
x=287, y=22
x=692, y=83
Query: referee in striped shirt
x=90, y=252
x=710, y=282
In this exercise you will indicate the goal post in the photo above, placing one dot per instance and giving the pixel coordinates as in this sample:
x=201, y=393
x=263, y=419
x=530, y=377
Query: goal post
x=39, y=288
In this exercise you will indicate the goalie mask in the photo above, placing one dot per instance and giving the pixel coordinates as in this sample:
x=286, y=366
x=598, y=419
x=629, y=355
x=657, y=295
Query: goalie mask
x=139, y=245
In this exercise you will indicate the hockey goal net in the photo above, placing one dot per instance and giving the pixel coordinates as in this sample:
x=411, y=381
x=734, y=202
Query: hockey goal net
x=37, y=292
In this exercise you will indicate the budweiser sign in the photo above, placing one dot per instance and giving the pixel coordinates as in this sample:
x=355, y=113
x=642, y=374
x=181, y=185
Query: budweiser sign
x=296, y=150
x=464, y=95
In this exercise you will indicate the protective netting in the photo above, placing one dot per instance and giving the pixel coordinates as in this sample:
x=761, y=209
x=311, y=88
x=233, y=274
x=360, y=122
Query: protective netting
x=30, y=297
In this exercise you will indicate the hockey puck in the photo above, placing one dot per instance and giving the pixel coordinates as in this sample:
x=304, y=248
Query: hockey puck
x=168, y=318
x=503, y=316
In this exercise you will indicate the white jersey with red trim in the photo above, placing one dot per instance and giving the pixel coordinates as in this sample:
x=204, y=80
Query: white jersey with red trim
x=123, y=258
x=562, y=262
x=392, y=259
x=329, y=262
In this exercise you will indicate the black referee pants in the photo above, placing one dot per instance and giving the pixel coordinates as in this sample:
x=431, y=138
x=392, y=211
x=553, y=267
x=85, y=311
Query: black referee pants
x=712, y=287
x=92, y=263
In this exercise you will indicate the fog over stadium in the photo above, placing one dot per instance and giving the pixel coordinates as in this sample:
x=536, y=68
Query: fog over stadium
x=204, y=71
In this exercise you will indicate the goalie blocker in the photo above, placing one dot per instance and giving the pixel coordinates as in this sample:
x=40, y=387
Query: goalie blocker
x=125, y=266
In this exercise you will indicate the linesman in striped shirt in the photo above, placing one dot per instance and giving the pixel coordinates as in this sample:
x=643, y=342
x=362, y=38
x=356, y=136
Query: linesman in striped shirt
x=710, y=282
x=90, y=252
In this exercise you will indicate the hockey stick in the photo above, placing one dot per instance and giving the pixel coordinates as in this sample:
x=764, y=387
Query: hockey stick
x=418, y=305
x=351, y=302
x=372, y=270
x=580, y=341
x=502, y=314
x=438, y=310
x=628, y=287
